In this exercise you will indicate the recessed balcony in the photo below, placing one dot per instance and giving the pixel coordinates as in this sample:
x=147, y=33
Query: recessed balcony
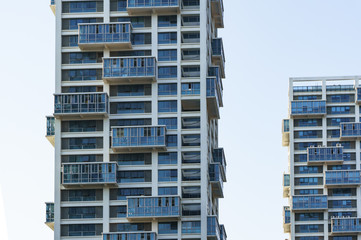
x=50, y=129
x=349, y=225
x=136, y=7
x=216, y=180
x=53, y=6
x=217, y=13
x=286, y=185
x=89, y=174
x=327, y=155
x=342, y=178
x=309, y=108
x=218, y=57
x=50, y=215
x=139, y=138
x=285, y=132
x=100, y=36
x=130, y=235
x=286, y=219
x=213, y=228
x=214, y=96
x=145, y=208
x=81, y=105
x=350, y=131
x=130, y=70
x=309, y=203
x=358, y=95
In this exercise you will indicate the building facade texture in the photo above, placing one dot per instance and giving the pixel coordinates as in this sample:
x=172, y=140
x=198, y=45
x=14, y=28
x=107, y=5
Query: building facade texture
x=138, y=89
x=323, y=134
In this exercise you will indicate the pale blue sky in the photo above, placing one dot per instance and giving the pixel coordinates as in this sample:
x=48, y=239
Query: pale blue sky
x=266, y=42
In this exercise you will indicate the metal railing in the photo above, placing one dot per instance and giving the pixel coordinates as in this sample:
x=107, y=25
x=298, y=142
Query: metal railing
x=350, y=129
x=104, y=33
x=129, y=67
x=81, y=103
x=167, y=206
x=324, y=154
x=345, y=225
x=152, y=3
x=309, y=202
x=308, y=107
x=145, y=136
x=343, y=177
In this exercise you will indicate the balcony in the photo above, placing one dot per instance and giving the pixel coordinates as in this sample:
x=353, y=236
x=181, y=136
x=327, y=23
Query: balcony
x=136, y=7
x=327, y=155
x=286, y=219
x=130, y=70
x=213, y=228
x=130, y=235
x=219, y=157
x=81, y=105
x=340, y=178
x=218, y=57
x=286, y=185
x=50, y=215
x=309, y=202
x=308, y=108
x=223, y=232
x=285, y=132
x=50, y=129
x=53, y=6
x=345, y=225
x=145, y=208
x=126, y=139
x=100, y=36
x=214, y=94
x=217, y=13
x=216, y=179
x=89, y=174
x=350, y=131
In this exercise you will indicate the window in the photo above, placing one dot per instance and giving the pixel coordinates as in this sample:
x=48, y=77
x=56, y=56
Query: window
x=191, y=71
x=191, y=37
x=130, y=107
x=167, y=72
x=141, y=38
x=167, y=158
x=130, y=227
x=81, y=195
x=191, y=54
x=171, y=140
x=72, y=23
x=123, y=193
x=340, y=110
x=168, y=175
x=191, y=175
x=167, y=106
x=167, y=191
x=132, y=159
x=191, y=157
x=167, y=55
x=81, y=213
x=137, y=22
x=167, y=38
x=81, y=158
x=131, y=90
x=191, y=192
x=118, y=211
x=134, y=176
x=81, y=230
x=130, y=122
x=191, y=227
x=190, y=20
x=168, y=228
x=82, y=126
x=82, y=143
x=167, y=21
x=307, y=181
x=81, y=75
x=167, y=89
x=191, y=140
x=191, y=88
x=82, y=57
x=69, y=41
x=191, y=123
x=118, y=5
x=171, y=123
x=191, y=4
x=78, y=7
x=191, y=209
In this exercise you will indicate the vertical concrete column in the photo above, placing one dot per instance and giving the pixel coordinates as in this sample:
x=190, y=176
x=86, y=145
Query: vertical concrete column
x=106, y=11
x=291, y=158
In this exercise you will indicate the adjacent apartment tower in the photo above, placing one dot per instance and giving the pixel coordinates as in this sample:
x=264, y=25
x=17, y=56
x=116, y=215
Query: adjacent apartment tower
x=323, y=134
x=138, y=91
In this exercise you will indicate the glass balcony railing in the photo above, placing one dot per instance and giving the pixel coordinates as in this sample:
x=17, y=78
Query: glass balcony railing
x=154, y=207
x=151, y=137
x=219, y=157
x=286, y=219
x=286, y=185
x=130, y=236
x=350, y=130
x=309, y=202
x=89, y=173
x=304, y=108
x=145, y=6
x=216, y=179
x=285, y=132
x=346, y=225
x=217, y=13
x=218, y=57
x=83, y=104
x=213, y=97
x=128, y=68
x=325, y=155
x=97, y=36
x=50, y=129
x=213, y=228
x=49, y=218
x=223, y=232
x=343, y=178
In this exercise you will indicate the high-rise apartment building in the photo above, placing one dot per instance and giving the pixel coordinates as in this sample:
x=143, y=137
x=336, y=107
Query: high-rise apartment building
x=135, y=124
x=323, y=134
